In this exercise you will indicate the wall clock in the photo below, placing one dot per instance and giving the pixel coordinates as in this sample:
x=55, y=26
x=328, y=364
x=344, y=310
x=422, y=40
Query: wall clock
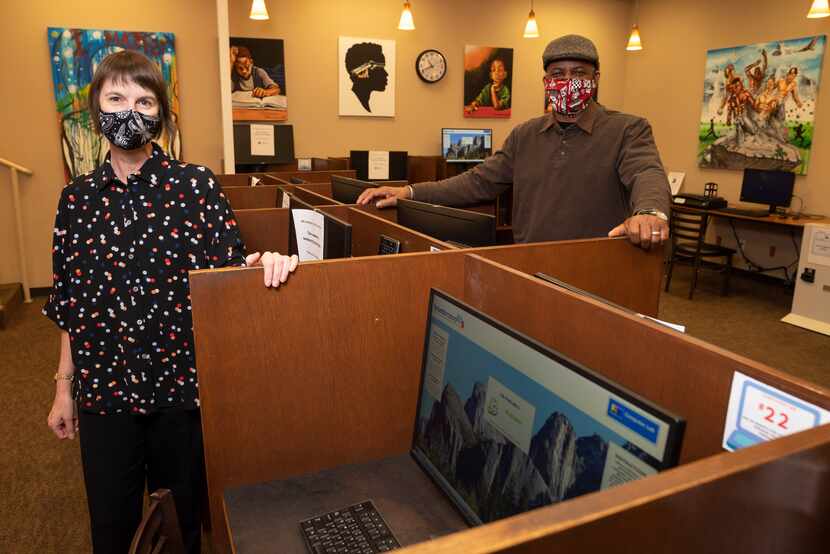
x=431, y=66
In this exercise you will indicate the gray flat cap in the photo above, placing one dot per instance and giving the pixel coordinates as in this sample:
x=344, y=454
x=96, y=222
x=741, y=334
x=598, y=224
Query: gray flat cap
x=570, y=47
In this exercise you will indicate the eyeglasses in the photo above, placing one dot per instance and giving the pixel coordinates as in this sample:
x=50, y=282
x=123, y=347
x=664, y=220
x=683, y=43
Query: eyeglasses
x=366, y=67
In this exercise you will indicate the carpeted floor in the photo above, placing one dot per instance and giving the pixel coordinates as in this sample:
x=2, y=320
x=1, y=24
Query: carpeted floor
x=42, y=502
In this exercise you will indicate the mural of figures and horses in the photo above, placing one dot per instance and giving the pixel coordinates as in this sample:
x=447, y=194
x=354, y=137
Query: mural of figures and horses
x=75, y=54
x=759, y=105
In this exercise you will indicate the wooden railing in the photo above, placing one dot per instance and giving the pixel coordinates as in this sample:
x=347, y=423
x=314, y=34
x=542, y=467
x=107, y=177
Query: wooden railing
x=18, y=218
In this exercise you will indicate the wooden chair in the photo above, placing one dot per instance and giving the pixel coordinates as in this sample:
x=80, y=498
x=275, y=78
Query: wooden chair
x=159, y=531
x=688, y=235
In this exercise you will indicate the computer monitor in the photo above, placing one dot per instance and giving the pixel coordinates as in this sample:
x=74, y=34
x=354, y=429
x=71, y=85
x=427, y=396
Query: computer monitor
x=346, y=189
x=448, y=224
x=768, y=187
x=283, y=145
x=466, y=145
x=337, y=241
x=294, y=203
x=505, y=424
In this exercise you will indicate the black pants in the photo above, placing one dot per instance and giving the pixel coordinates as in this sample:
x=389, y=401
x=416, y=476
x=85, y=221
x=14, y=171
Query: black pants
x=122, y=453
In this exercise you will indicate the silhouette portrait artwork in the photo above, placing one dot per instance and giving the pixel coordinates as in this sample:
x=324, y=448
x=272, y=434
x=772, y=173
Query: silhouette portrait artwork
x=366, y=65
x=366, y=77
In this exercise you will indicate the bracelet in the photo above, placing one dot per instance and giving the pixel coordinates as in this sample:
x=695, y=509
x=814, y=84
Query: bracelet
x=59, y=377
x=411, y=192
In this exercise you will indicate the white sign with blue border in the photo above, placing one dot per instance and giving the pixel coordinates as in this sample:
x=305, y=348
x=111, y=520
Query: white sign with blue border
x=758, y=412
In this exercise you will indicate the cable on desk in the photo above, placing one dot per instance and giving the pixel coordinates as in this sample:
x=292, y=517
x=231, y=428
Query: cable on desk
x=761, y=269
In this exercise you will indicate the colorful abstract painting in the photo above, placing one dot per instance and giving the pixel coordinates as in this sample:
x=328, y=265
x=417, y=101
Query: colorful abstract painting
x=75, y=54
x=759, y=105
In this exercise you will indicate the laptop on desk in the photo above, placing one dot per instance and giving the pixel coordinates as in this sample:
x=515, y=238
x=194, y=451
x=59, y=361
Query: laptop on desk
x=505, y=424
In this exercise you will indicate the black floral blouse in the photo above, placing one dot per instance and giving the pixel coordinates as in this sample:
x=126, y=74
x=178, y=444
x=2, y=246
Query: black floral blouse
x=121, y=256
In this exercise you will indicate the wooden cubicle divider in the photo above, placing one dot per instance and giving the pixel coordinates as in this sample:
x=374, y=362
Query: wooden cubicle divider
x=246, y=198
x=315, y=176
x=236, y=179
x=267, y=229
x=576, y=263
x=327, y=371
x=264, y=229
x=269, y=195
x=367, y=229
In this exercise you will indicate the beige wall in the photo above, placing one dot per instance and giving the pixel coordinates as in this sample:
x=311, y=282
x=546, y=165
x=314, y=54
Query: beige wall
x=29, y=133
x=311, y=28
x=664, y=82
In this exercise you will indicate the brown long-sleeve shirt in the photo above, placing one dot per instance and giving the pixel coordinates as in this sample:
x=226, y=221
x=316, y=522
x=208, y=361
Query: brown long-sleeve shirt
x=577, y=182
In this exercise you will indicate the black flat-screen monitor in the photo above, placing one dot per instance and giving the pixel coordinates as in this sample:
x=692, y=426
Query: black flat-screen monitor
x=505, y=424
x=283, y=145
x=346, y=189
x=466, y=145
x=774, y=188
x=337, y=242
x=294, y=203
x=448, y=224
x=398, y=165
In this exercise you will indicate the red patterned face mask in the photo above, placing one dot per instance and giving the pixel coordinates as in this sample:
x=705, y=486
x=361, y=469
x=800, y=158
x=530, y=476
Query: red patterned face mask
x=569, y=96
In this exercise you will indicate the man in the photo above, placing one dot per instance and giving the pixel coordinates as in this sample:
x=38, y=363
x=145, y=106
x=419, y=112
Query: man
x=755, y=73
x=582, y=171
x=248, y=77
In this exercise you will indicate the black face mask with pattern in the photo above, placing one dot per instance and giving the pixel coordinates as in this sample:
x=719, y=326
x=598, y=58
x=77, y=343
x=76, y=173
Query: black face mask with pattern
x=129, y=129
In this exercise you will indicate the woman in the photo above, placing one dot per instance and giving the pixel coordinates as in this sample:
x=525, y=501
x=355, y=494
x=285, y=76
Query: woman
x=126, y=236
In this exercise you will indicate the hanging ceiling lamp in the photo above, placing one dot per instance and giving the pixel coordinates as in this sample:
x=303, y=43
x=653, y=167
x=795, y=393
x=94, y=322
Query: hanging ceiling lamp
x=258, y=10
x=634, y=42
x=406, y=23
x=531, y=29
x=818, y=10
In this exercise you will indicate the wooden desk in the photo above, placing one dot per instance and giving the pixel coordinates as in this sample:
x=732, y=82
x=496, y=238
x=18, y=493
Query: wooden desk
x=768, y=220
x=265, y=517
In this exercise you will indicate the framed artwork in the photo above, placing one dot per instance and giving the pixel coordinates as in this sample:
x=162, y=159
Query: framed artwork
x=366, y=76
x=759, y=105
x=258, y=89
x=488, y=81
x=75, y=54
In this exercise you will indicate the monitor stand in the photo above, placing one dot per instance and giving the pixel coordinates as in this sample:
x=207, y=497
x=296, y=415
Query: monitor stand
x=266, y=514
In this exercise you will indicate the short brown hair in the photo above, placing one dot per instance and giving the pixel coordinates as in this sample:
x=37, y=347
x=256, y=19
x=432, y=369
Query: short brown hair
x=136, y=67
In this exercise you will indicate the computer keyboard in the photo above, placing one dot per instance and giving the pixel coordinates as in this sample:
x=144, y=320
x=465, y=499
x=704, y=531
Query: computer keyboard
x=745, y=212
x=357, y=529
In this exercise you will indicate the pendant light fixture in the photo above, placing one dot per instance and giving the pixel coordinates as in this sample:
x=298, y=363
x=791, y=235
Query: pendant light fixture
x=406, y=23
x=818, y=10
x=258, y=10
x=531, y=29
x=634, y=42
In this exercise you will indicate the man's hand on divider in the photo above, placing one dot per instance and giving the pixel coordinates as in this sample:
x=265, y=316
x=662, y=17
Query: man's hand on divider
x=643, y=230
x=276, y=266
x=384, y=197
